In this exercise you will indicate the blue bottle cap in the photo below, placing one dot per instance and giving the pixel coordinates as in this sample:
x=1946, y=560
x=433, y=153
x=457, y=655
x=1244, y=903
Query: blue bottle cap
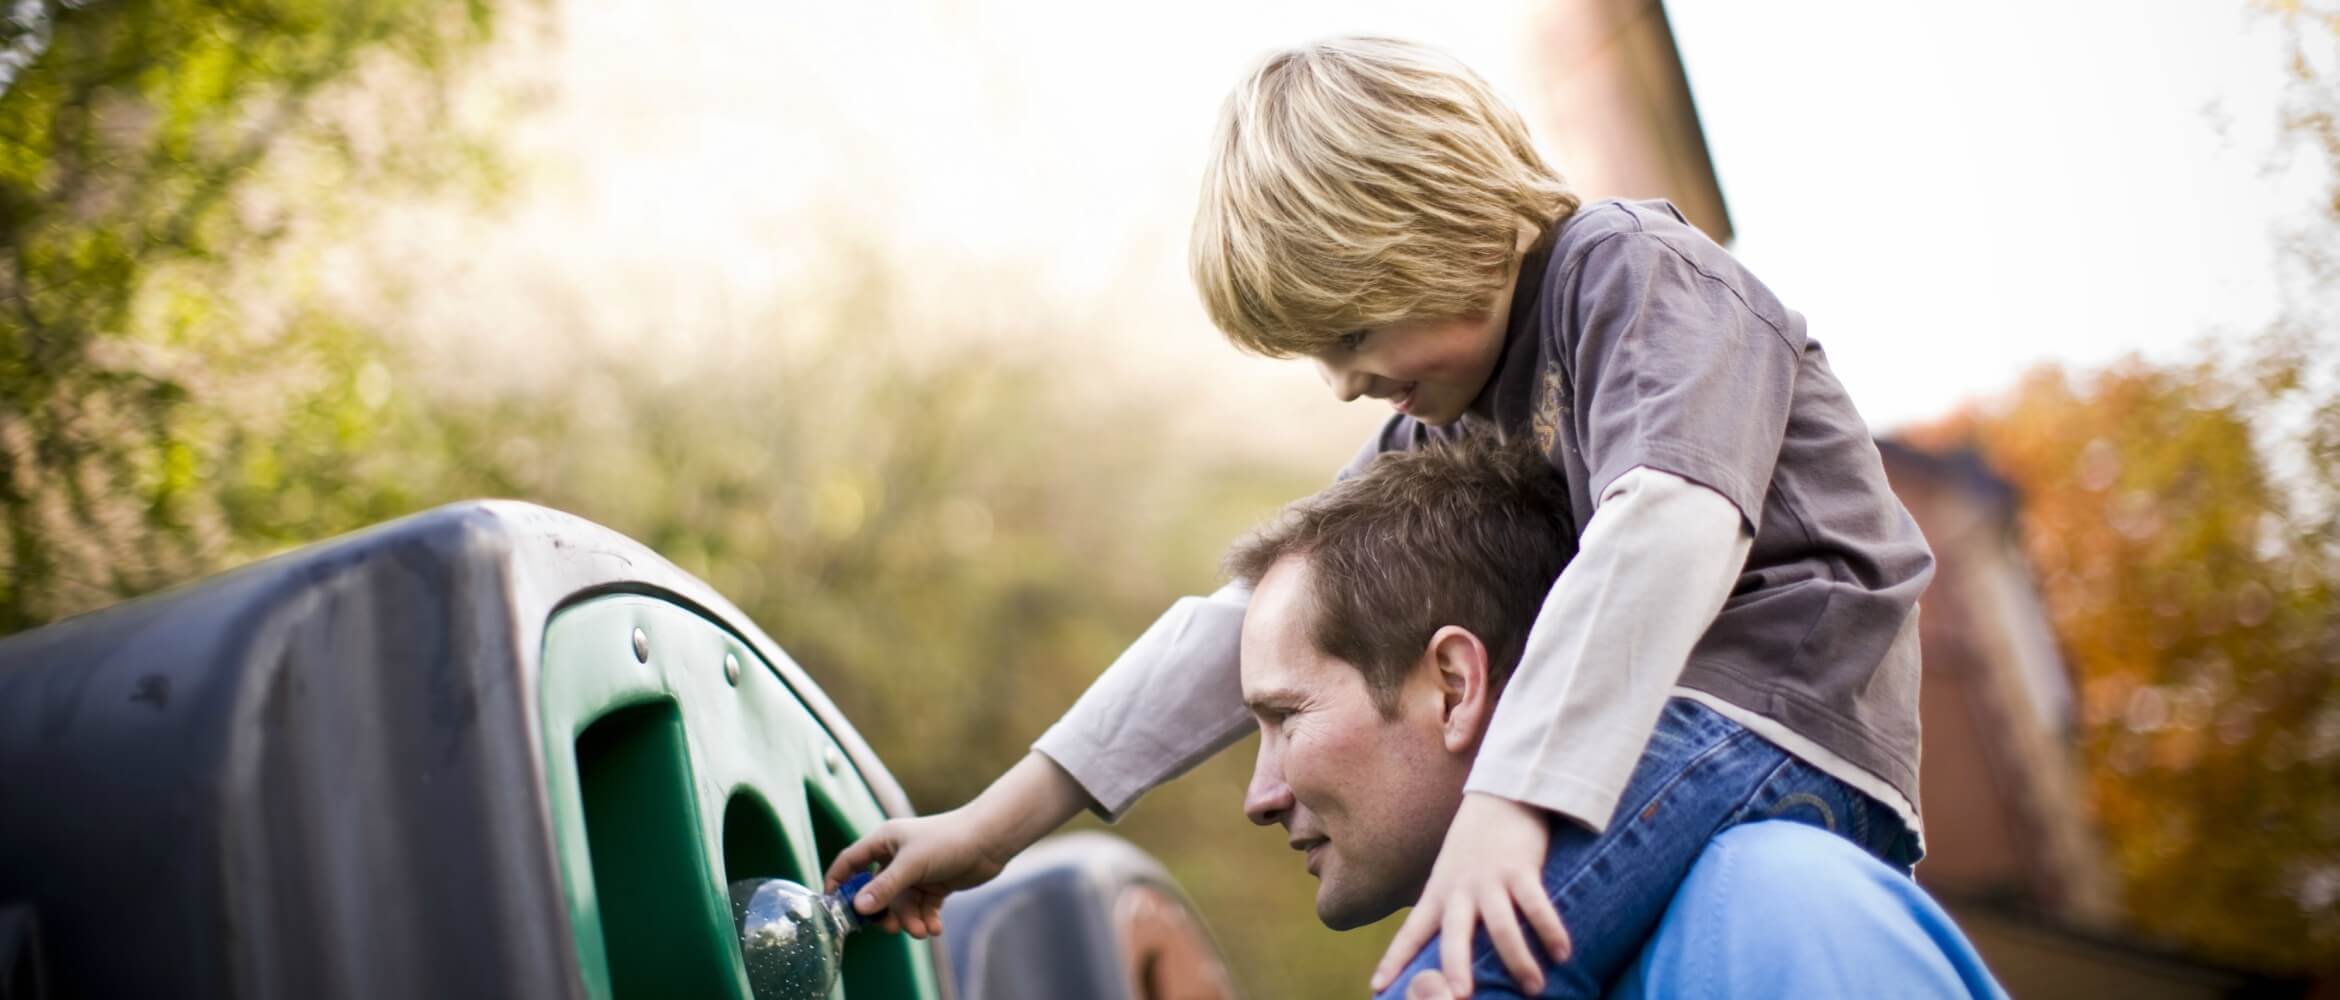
x=850, y=889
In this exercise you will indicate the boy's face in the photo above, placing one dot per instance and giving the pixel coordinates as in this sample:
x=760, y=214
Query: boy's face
x=1428, y=369
x=1431, y=370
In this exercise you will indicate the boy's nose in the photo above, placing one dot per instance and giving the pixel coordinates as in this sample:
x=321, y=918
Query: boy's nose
x=1347, y=383
x=1268, y=800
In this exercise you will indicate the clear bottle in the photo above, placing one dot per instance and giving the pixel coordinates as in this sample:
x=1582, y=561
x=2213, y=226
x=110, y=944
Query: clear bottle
x=792, y=937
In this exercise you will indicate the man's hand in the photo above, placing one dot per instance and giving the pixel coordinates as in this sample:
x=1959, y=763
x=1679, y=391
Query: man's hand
x=1490, y=868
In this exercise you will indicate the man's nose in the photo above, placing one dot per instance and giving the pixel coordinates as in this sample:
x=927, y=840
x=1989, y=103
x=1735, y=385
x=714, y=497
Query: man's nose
x=1347, y=382
x=1268, y=800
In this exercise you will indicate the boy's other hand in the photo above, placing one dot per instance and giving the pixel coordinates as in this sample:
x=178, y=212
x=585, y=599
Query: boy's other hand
x=924, y=859
x=1490, y=868
x=1428, y=986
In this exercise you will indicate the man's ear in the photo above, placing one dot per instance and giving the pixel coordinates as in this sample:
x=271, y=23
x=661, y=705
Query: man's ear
x=1458, y=661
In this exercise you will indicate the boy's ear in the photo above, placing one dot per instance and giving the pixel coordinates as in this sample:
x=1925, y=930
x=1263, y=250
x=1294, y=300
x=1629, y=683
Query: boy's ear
x=1458, y=662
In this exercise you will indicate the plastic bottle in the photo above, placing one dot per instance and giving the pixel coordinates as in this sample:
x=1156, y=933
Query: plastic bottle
x=792, y=937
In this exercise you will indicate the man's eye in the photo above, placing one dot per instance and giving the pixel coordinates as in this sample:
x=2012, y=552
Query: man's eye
x=1354, y=339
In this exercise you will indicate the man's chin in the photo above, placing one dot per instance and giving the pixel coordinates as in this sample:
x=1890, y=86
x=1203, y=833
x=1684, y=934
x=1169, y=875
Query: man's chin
x=1343, y=912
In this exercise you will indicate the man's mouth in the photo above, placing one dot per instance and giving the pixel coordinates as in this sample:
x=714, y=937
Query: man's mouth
x=1403, y=402
x=1307, y=847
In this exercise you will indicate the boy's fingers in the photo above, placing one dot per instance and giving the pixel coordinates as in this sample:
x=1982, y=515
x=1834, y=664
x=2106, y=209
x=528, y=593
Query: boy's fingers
x=882, y=888
x=1409, y=939
x=1428, y=986
x=1510, y=943
x=914, y=914
x=929, y=907
x=1454, y=948
x=912, y=920
x=1544, y=917
x=877, y=847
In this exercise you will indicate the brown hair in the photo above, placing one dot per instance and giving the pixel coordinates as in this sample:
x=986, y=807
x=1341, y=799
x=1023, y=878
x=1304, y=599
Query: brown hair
x=1470, y=533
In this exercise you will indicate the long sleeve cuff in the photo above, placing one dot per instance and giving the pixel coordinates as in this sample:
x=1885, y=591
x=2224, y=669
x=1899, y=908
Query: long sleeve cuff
x=1170, y=701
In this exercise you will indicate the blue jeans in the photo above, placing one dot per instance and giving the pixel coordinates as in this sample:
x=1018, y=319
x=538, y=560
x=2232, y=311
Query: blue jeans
x=1700, y=775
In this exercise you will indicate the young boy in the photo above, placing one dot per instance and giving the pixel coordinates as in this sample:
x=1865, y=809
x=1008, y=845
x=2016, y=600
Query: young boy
x=1743, y=574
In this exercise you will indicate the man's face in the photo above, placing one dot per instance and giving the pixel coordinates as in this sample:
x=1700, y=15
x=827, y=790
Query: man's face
x=1368, y=798
x=1431, y=370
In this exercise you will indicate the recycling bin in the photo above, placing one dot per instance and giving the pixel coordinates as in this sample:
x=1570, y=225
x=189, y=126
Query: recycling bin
x=1082, y=916
x=489, y=750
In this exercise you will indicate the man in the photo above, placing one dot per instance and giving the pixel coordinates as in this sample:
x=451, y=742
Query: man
x=1386, y=614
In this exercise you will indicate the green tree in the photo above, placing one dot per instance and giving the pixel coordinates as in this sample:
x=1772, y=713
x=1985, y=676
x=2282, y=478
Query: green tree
x=152, y=154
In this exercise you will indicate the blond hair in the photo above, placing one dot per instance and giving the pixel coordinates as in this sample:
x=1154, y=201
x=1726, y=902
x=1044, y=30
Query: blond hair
x=1355, y=182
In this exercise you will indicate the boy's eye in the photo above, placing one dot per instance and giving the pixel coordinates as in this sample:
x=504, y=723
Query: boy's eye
x=1354, y=339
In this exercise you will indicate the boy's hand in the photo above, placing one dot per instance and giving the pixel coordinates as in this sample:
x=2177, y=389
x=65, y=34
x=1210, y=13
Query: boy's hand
x=1490, y=868
x=1428, y=987
x=925, y=859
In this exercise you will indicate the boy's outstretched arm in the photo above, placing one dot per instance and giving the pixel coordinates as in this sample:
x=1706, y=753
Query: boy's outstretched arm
x=1172, y=699
x=926, y=858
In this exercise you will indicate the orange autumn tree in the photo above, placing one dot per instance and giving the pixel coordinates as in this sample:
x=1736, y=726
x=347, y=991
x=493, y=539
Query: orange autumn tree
x=2180, y=520
x=2184, y=521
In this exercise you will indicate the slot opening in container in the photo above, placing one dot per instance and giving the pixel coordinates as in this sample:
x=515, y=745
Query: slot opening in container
x=661, y=930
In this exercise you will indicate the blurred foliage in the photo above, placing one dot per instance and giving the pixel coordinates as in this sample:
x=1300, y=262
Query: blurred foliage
x=151, y=152
x=2198, y=603
x=2184, y=521
x=951, y=542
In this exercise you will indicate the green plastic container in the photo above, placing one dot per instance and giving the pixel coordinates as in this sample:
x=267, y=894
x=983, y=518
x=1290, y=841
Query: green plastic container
x=678, y=761
x=428, y=759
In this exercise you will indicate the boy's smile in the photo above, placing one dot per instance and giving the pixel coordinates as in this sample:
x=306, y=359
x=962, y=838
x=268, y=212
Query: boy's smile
x=1430, y=370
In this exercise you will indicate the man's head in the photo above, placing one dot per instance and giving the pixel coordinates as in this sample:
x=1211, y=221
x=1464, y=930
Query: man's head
x=1369, y=189
x=1386, y=613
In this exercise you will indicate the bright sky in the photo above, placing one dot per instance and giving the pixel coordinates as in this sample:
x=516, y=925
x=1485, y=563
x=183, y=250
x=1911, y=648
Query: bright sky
x=1949, y=192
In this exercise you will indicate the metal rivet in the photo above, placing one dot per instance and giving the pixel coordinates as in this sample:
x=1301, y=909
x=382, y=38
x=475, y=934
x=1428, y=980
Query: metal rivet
x=831, y=759
x=641, y=646
x=731, y=669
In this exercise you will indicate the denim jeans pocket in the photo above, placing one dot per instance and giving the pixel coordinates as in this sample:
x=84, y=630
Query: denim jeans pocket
x=1812, y=809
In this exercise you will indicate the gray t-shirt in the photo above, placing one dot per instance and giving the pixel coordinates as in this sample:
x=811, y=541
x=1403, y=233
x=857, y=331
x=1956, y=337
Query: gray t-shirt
x=1636, y=341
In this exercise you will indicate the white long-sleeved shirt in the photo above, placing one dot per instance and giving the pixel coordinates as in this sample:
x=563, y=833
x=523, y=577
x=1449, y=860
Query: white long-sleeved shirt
x=1656, y=562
